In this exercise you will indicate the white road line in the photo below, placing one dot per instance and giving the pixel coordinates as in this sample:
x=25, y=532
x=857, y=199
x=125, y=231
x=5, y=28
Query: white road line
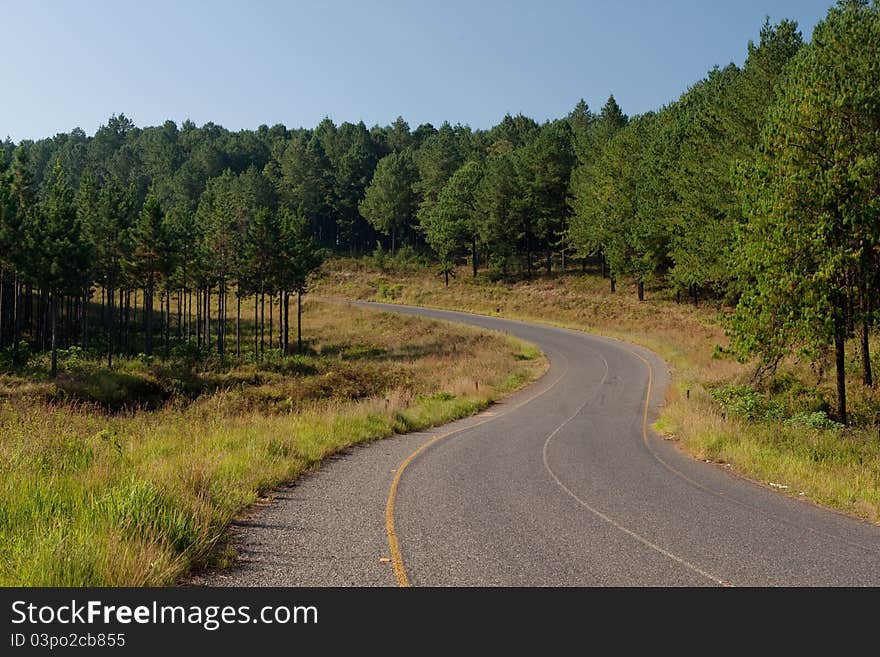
x=605, y=517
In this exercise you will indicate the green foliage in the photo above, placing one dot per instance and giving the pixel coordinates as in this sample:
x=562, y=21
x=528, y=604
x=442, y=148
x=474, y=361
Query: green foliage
x=15, y=357
x=388, y=291
x=438, y=158
x=591, y=139
x=152, y=256
x=306, y=183
x=748, y=403
x=813, y=420
x=616, y=212
x=811, y=241
x=389, y=203
x=544, y=169
x=500, y=209
x=57, y=255
x=725, y=114
x=450, y=226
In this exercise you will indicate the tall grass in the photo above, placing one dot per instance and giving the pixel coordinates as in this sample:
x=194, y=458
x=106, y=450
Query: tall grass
x=93, y=497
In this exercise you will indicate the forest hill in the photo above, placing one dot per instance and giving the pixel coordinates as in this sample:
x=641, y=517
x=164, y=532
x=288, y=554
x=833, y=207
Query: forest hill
x=759, y=188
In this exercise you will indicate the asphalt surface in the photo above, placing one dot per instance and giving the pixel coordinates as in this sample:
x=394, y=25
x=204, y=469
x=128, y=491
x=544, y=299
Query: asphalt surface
x=555, y=486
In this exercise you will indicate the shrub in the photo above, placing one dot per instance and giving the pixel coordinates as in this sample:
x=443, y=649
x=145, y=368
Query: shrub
x=72, y=359
x=15, y=357
x=814, y=420
x=389, y=290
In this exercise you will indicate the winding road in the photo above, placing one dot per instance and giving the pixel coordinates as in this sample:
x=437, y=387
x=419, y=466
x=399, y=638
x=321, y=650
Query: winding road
x=561, y=484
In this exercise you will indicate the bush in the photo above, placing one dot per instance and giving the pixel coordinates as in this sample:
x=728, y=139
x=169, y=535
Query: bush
x=113, y=390
x=15, y=357
x=388, y=290
x=190, y=352
x=747, y=402
x=379, y=257
x=177, y=380
x=815, y=420
x=499, y=265
x=798, y=397
x=72, y=359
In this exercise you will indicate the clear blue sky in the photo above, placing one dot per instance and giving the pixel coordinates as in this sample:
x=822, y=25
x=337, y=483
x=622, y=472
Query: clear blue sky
x=240, y=64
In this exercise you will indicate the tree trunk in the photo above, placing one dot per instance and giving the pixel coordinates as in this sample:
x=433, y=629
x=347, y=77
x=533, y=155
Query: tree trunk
x=208, y=317
x=299, y=335
x=271, y=321
x=123, y=329
x=529, y=262
x=67, y=324
x=840, y=365
x=224, y=317
x=613, y=284
x=45, y=302
x=199, y=330
x=2, y=305
x=474, y=255
x=110, y=328
x=167, y=321
x=16, y=315
x=446, y=274
x=851, y=312
x=262, y=323
x=549, y=261
x=562, y=250
x=134, y=316
x=85, y=318
x=237, y=325
x=53, y=303
x=286, y=321
x=221, y=317
x=867, y=375
x=641, y=290
x=148, y=320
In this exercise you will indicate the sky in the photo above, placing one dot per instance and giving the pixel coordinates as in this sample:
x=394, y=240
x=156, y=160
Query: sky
x=240, y=63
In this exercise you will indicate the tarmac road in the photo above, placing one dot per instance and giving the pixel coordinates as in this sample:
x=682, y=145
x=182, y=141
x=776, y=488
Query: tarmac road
x=562, y=484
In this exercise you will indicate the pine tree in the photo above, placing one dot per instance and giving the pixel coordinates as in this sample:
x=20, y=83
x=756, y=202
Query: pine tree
x=151, y=259
x=389, y=203
x=451, y=227
x=58, y=254
x=811, y=243
x=298, y=255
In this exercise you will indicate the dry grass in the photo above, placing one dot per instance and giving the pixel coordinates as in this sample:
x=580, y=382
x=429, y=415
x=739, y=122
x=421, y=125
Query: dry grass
x=768, y=433
x=93, y=498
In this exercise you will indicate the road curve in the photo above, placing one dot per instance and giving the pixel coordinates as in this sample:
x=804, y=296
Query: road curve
x=562, y=484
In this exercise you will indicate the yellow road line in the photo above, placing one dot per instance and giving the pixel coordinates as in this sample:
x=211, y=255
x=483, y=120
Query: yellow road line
x=393, y=543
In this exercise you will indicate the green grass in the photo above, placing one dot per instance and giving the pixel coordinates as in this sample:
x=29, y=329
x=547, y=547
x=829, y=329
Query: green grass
x=91, y=495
